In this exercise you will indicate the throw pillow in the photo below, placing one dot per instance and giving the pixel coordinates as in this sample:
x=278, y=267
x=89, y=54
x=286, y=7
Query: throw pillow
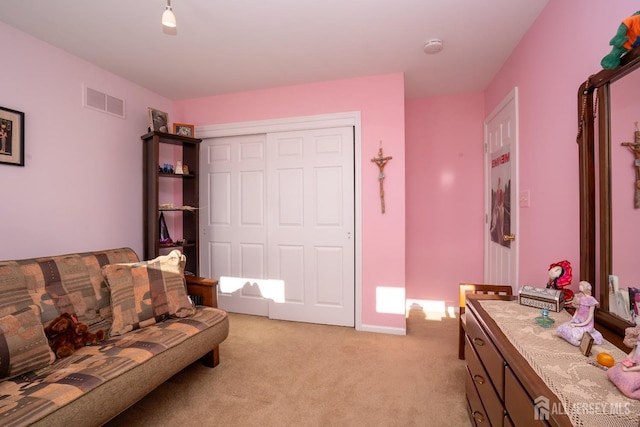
x=147, y=292
x=70, y=283
x=23, y=344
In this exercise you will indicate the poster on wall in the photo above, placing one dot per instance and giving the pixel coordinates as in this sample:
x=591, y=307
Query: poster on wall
x=500, y=196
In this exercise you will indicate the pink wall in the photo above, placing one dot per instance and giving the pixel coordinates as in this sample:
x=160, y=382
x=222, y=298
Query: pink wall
x=81, y=186
x=380, y=99
x=563, y=47
x=444, y=221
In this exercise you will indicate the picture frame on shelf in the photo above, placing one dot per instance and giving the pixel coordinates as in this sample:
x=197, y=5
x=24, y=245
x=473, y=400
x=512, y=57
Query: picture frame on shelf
x=158, y=120
x=586, y=343
x=11, y=137
x=184, y=129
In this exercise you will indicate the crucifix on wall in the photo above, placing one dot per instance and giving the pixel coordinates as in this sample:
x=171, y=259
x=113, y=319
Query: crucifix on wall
x=634, y=147
x=381, y=161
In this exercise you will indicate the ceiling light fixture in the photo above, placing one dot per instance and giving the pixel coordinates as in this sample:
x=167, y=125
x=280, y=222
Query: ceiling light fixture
x=168, y=18
x=433, y=46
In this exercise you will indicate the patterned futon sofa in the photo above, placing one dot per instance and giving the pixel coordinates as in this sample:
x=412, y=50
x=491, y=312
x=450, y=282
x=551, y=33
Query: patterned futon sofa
x=156, y=335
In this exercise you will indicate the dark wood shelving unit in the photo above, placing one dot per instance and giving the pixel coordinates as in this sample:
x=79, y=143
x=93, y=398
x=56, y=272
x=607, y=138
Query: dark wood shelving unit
x=152, y=181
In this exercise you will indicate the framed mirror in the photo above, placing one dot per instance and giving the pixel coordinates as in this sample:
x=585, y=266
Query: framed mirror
x=607, y=117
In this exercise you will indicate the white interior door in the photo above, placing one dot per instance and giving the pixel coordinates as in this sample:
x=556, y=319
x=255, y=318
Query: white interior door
x=279, y=224
x=311, y=224
x=501, y=189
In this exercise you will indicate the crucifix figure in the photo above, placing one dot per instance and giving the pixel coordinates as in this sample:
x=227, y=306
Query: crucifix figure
x=381, y=161
x=634, y=147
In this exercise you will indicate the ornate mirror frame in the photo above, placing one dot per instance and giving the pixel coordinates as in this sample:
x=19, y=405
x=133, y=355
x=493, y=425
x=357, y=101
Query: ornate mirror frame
x=595, y=189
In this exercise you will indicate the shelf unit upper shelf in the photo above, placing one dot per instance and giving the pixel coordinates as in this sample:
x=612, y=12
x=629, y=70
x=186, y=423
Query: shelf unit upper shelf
x=175, y=175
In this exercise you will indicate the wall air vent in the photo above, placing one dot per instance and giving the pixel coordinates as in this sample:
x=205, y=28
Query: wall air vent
x=100, y=101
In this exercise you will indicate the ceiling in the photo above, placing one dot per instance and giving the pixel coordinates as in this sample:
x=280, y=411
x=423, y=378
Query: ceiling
x=225, y=46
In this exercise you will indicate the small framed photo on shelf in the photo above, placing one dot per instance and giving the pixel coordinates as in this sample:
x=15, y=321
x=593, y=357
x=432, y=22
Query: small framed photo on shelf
x=11, y=137
x=183, y=129
x=158, y=120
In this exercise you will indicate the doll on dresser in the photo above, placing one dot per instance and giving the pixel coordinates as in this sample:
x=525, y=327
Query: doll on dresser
x=632, y=361
x=583, y=318
x=626, y=374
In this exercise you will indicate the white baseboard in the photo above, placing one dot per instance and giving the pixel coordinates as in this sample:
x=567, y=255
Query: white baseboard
x=383, y=330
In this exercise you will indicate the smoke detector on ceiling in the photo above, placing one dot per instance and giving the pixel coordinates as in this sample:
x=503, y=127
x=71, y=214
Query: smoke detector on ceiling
x=433, y=46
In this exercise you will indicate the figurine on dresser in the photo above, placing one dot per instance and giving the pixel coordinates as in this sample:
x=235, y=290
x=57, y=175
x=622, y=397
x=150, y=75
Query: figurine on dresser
x=632, y=361
x=626, y=374
x=560, y=276
x=583, y=318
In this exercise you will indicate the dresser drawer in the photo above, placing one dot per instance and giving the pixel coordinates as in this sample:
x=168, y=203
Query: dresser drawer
x=518, y=403
x=507, y=421
x=487, y=353
x=490, y=400
x=476, y=410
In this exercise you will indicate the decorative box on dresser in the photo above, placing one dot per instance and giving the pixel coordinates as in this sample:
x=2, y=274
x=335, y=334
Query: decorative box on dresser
x=501, y=386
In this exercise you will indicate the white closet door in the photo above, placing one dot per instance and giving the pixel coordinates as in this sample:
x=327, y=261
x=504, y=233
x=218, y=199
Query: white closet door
x=310, y=207
x=235, y=234
x=279, y=223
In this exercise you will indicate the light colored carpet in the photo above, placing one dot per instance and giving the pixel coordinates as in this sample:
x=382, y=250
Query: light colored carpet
x=277, y=373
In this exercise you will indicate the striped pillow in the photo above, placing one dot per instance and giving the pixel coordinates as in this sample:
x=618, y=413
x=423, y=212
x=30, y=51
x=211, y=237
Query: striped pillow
x=23, y=344
x=147, y=292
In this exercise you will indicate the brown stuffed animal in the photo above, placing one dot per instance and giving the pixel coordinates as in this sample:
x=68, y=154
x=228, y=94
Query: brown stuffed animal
x=66, y=335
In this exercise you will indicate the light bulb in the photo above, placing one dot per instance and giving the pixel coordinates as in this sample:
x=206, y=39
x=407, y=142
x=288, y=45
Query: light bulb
x=168, y=18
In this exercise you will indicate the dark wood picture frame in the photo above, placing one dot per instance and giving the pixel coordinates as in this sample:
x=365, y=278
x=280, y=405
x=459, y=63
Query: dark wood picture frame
x=158, y=120
x=586, y=343
x=184, y=129
x=11, y=137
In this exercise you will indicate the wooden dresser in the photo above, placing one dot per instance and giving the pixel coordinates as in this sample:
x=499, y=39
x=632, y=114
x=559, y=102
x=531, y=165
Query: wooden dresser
x=501, y=386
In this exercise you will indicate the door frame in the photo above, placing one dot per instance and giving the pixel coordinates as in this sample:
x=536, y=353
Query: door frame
x=320, y=121
x=511, y=97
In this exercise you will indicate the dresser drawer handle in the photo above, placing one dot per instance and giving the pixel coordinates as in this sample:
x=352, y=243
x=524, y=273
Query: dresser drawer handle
x=478, y=341
x=478, y=416
x=478, y=379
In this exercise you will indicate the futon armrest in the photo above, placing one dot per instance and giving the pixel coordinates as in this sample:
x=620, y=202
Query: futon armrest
x=204, y=288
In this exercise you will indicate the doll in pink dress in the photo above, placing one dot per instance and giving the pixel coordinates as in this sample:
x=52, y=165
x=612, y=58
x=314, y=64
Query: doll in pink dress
x=626, y=374
x=632, y=361
x=583, y=318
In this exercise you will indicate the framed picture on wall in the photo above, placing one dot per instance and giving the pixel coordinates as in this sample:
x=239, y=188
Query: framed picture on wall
x=183, y=129
x=11, y=137
x=158, y=120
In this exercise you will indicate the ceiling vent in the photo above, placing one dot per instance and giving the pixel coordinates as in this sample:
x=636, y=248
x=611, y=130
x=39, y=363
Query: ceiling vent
x=100, y=101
